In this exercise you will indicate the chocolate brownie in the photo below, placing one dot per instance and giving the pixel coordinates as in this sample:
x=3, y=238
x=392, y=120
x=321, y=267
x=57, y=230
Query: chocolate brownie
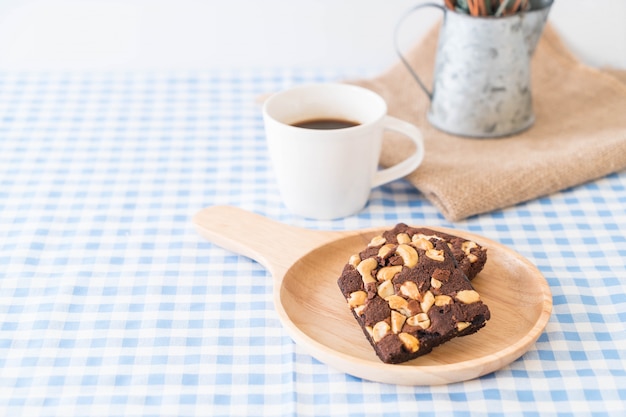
x=409, y=293
x=469, y=255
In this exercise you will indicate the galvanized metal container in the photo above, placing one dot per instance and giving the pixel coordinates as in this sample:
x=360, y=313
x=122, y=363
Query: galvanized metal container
x=482, y=84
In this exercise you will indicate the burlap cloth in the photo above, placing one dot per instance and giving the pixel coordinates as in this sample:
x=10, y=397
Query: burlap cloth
x=579, y=133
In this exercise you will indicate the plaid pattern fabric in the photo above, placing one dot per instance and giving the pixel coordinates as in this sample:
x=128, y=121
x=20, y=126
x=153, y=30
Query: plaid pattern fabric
x=112, y=305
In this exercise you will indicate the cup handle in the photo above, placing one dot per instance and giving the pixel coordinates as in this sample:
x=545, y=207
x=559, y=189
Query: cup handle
x=407, y=166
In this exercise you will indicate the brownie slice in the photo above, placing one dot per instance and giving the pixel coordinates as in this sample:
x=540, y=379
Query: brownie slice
x=469, y=255
x=409, y=294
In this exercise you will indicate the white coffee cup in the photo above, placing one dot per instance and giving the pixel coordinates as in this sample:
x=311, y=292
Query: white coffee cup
x=328, y=174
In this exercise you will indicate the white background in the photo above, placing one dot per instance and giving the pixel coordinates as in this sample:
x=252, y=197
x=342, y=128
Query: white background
x=255, y=34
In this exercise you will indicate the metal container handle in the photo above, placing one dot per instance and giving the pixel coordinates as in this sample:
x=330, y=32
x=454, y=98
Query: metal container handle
x=395, y=38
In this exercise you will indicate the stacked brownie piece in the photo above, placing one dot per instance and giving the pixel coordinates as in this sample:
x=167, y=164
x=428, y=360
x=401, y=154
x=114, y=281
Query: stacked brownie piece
x=410, y=291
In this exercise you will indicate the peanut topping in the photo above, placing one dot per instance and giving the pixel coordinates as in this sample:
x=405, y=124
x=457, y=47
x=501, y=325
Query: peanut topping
x=412, y=308
x=357, y=298
x=468, y=296
x=435, y=255
x=365, y=268
x=409, y=342
x=408, y=254
x=403, y=238
x=377, y=241
x=359, y=310
x=386, y=250
x=397, y=303
x=435, y=283
x=380, y=330
x=421, y=243
x=397, y=321
x=355, y=260
x=427, y=237
x=462, y=325
x=409, y=290
x=442, y=300
x=427, y=301
x=385, y=290
x=419, y=320
x=388, y=272
x=467, y=246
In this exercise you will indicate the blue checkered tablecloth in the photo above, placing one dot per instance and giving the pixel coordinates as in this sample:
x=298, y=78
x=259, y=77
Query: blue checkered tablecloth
x=112, y=305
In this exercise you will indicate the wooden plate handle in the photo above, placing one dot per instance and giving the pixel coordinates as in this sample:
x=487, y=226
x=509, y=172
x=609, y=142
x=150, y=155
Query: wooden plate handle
x=274, y=245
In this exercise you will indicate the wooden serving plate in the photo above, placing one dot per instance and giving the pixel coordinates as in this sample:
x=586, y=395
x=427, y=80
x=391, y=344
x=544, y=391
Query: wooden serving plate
x=305, y=265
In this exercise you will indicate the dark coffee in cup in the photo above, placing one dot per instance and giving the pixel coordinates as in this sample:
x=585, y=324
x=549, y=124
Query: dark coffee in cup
x=325, y=124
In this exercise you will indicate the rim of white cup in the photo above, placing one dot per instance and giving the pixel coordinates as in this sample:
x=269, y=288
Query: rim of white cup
x=290, y=94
